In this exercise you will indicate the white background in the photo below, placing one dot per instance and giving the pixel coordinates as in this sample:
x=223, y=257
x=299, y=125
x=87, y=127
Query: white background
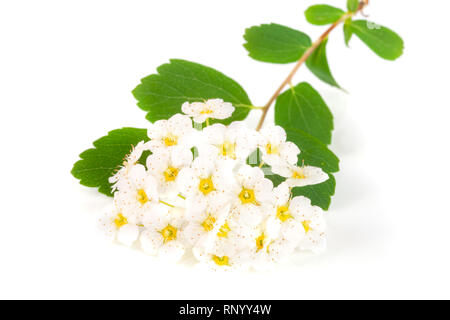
x=67, y=69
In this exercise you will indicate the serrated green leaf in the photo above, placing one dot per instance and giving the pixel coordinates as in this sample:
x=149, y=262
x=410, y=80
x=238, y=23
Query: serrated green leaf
x=313, y=151
x=317, y=63
x=383, y=41
x=352, y=5
x=275, y=43
x=303, y=108
x=323, y=14
x=347, y=32
x=179, y=81
x=319, y=194
x=100, y=163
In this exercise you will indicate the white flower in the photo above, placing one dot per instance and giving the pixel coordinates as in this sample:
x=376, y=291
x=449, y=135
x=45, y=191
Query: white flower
x=275, y=150
x=176, y=131
x=234, y=142
x=130, y=161
x=165, y=165
x=138, y=194
x=283, y=230
x=223, y=254
x=204, y=181
x=163, y=234
x=119, y=226
x=202, y=223
x=313, y=221
x=252, y=193
x=301, y=176
x=213, y=108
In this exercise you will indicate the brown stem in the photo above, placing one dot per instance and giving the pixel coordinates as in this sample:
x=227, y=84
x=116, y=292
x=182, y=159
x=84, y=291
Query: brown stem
x=303, y=59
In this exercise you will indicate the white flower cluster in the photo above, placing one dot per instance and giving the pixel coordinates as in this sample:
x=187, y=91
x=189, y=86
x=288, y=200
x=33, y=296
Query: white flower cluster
x=196, y=193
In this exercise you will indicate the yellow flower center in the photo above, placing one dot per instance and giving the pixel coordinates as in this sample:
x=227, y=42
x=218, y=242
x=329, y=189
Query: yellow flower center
x=248, y=196
x=206, y=110
x=223, y=231
x=208, y=223
x=283, y=213
x=170, y=140
x=260, y=242
x=298, y=174
x=142, y=196
x=206, y=186
x=120, y=221
x=221, y=261
x=227, y=150
x=270, y=149
x=171, y=173
x=169, y=233
x=306, y=225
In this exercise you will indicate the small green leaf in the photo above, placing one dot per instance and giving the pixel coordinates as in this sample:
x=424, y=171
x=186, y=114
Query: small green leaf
x=352, y=5
x=313, y=151
x=179, y=81
x=317, y=63
x=275, y=43
x=383, y=41
x=100, y=163
x=347, y=32
x=302, y=107
x=323, y=14
x=319, y=194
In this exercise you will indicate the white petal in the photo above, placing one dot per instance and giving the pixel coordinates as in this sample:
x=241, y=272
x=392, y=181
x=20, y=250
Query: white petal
x=290, y=152
x=181, y=157
x=215, y=134
x=151, y=242
x=281, y=194
x=179, y=125
x=128, y=234
x=172, y=251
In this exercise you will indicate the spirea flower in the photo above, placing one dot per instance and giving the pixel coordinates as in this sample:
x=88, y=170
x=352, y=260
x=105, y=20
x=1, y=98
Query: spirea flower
x=199, y=194
x=301, y=176
x=165, y=134
x=276, y=151
x=210, y=109
x=233, y=142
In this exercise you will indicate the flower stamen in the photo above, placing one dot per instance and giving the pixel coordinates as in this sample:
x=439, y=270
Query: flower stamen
x=208, y=223
x=142, y=196
x=206, y=186
x=120, y=221
x=248, y=196
x=221, y=261
x=283, y=213
x=171, y=173
x=169, y=233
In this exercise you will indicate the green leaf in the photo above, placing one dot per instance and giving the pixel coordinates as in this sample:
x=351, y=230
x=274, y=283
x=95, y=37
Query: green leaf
x=319, y=194
x=347, y=32
x=301, y=107
x=384, y=42
x=100, y=163
x=313, y=151
x=275, y=43
x=317, y=63
x=352, y=5
x=179, y=81
x=323, y=14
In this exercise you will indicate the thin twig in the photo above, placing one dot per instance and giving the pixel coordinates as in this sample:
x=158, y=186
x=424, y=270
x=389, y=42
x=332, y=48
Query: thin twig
x=305, y=57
